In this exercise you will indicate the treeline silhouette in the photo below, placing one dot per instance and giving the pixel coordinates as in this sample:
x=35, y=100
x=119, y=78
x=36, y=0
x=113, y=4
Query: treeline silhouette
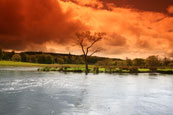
x=47, y=58
x=56, y=58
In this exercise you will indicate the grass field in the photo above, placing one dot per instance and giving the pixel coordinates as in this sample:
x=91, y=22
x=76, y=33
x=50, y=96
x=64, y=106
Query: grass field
x=19, y=64
x=25, y=64
x=73, y=67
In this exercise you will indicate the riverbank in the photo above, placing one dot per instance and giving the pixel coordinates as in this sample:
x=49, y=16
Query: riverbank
x=96, y=69
x=81, y=68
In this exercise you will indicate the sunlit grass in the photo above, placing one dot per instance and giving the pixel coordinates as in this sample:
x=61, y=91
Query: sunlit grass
x=12, y=63
x=143, y=70
x=25, y=64
x=165, y=69
x=74, y=67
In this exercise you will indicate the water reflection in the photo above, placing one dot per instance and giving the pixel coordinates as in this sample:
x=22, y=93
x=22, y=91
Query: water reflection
x=51, y=93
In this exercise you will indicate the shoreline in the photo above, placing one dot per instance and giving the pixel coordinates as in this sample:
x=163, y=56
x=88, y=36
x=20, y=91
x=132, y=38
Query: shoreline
x=103, y=70
x=81, y=68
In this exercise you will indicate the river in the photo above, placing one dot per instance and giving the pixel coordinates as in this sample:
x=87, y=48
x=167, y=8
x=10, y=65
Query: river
x=25, y=91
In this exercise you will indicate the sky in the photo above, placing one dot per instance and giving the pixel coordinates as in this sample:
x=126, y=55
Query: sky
x=134, y=28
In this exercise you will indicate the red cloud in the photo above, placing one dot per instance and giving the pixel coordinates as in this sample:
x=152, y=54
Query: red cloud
x=34, y=22
x=170, y=9
x=42, y=24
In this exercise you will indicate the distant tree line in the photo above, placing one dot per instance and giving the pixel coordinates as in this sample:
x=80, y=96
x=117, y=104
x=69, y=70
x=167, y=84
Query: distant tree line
x=47, y=58
x=55, y=58
x=151, y=61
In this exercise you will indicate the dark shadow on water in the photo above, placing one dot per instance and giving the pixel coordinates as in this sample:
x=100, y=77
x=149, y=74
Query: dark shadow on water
x=153, y=74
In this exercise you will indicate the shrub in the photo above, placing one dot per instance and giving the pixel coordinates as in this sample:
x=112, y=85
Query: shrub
x=110, y=69
x=153, y=69
x=96, y=69
x=171, y=64
x=53, y=69
x=153, y=61
x=124, y=68
x=133, y=69
x=60, y=60
x=16, y=57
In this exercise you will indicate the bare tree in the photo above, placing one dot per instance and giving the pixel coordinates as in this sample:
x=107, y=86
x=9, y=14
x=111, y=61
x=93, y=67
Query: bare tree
x=86, y=41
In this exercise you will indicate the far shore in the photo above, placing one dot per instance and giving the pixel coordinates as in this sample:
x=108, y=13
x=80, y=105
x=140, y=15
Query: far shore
x=81, y=68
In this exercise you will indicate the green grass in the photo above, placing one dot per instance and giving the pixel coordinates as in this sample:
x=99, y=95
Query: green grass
x=101, y=69
x=76, y=68
x=26, y=64
x=143, y=70
x=19, y=64
x=70, y=67
x=165, y=70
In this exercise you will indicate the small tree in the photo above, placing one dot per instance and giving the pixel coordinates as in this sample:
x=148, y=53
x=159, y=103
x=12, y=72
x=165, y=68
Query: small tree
x=49, y=59
x=11, y=54
x=170, y=64
x=60, y=60
x=41, y=59
x=128, y=62
x=23, y=57
x=1, y=54
x=152, y=61
x=165, y=61
x=86, y=41
x=16, y=57
x=139, y=62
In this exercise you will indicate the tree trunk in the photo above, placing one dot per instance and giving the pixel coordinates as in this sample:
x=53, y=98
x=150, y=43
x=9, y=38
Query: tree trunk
x=86, y=65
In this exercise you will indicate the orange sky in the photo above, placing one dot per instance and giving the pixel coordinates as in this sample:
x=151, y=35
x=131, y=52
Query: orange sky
x=134, y=29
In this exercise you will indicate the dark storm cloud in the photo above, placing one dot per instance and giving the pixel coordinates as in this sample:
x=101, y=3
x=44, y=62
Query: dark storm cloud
x=142, y=5
x=26, y=22
x=145, y=5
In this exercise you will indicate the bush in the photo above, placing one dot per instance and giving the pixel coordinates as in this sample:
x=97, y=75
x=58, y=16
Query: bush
x=1, y=54
x=96, y=69
x=153, y=61
x=153, y=69
x=53, y=69
x=16, y=57
x=107, y=62
x=171, y=64
x=124, y=68
x=133, y=69
x=45, y=69
x=60, y=60
x=110, y=69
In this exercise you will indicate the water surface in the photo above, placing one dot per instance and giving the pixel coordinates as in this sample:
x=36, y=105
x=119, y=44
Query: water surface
x=25, y=91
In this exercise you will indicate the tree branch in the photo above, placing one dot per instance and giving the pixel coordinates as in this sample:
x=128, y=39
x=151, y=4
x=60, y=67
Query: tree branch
x=81, y=44
x=97, y=50
x=93, y=53
x=92, y=44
